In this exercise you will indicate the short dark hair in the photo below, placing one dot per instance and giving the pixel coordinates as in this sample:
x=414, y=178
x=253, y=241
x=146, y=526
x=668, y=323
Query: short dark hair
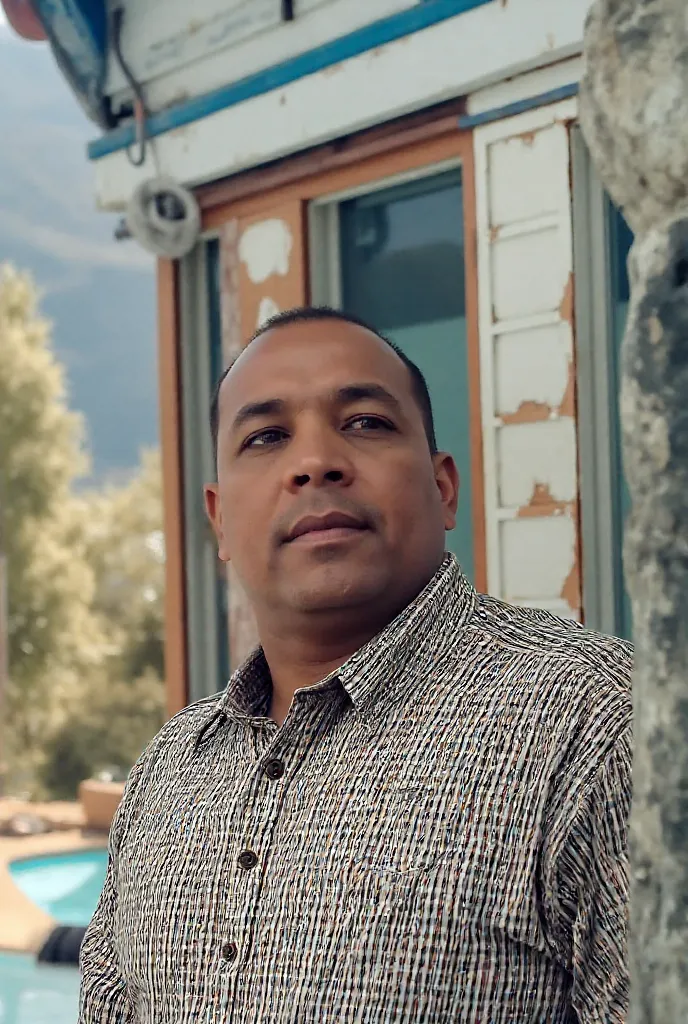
x=304, y=314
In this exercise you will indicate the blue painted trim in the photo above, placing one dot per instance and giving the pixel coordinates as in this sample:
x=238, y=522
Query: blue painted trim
x=564, y=92
x=362, y=40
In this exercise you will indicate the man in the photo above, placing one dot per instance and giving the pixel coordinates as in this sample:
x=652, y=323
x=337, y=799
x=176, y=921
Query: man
x=411, y=803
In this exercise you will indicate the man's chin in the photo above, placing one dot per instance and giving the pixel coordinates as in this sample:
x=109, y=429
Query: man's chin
x=336, y=585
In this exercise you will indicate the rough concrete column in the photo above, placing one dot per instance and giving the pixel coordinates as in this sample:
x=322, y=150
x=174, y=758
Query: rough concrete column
x=634, y=114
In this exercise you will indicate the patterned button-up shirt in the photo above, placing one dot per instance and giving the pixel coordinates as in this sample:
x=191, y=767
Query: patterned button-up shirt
x=437, y=833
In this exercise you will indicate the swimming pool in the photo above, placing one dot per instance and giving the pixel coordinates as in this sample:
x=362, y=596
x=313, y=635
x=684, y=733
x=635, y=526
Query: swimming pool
x=65, y=885
x=33, y=994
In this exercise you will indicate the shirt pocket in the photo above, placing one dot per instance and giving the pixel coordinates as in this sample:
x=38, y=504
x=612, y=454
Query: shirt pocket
x=407, y=833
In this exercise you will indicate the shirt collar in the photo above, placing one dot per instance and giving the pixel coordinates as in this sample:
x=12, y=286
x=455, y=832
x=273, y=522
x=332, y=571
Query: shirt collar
x=418, y=635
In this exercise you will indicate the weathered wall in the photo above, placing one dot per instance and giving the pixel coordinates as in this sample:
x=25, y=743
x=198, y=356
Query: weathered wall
x=263, y=272
x=527, y=370
x=442, y=62
x=634, y=113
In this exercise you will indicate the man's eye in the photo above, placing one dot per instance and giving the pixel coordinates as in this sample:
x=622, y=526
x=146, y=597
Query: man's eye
x=265, y=438
x=368, y=422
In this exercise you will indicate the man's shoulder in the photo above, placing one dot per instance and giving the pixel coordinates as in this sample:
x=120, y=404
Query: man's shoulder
x=179, y=734
x=552, y=640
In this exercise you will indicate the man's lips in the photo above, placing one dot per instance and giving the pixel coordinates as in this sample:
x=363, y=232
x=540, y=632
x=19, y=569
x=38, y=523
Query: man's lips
x=339, y=521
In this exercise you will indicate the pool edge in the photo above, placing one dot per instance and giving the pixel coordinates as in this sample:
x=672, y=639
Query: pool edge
x=24, y=927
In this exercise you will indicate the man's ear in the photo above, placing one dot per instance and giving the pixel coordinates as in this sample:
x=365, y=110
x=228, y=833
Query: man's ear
x=213, y=509
x=447, y=480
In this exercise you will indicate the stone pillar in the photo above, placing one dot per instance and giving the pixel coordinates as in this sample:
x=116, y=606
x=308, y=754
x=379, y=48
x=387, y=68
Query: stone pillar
x=634, y=115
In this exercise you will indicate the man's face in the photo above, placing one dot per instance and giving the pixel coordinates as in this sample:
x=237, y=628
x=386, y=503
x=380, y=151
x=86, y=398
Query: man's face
x=328, y=497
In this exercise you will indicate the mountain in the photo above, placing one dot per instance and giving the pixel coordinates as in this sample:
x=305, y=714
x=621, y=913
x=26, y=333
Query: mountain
x=98, y=293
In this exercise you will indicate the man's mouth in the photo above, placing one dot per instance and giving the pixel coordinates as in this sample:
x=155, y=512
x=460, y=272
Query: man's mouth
x=329, y=527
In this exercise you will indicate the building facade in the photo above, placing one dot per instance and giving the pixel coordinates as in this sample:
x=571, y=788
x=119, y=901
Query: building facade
x=419, y=164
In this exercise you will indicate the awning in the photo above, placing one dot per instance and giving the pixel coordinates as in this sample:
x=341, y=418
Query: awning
x=22, y=17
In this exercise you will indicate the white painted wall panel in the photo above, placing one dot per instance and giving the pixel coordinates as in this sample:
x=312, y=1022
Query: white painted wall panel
x=529, y=273
x=531, y=83
x=515, y=355
x=536, y=556
x=523, y=208
x=537, y=457
x=520, y=187
x=175, y=50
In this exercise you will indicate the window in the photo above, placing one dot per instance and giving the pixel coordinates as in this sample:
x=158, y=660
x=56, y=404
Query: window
x=395, y=257
x=602, y=241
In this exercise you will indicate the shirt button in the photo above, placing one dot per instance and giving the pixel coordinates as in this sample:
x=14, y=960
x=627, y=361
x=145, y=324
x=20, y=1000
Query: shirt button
x=247, y=860
x=274, y=769
x=230, y=951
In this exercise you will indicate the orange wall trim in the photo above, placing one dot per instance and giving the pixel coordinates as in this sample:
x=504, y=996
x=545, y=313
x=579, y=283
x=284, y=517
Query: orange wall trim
x=171, y=450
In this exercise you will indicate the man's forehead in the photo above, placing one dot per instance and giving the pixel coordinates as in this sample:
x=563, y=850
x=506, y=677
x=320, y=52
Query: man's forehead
x=315, y=358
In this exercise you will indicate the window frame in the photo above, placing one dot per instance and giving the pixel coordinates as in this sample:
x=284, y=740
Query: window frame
x=323, y=227
x=601, y=527
x=203, y=630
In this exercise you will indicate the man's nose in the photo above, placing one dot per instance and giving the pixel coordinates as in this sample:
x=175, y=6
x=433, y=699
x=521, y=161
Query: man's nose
x=319, y=458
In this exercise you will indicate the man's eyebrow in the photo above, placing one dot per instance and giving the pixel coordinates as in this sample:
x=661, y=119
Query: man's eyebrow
x=346, y=395
x=254, y=410
x=365, y=392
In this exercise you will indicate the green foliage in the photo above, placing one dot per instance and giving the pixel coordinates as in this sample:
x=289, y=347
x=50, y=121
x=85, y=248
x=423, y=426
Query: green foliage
x=85, y=577
x=104, y=732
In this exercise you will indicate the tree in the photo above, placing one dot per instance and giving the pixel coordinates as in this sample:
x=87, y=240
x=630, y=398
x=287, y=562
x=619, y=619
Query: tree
x=52, y=634
x=124, y=547
x=118, y=708
x=85, y=577
x=634, y=113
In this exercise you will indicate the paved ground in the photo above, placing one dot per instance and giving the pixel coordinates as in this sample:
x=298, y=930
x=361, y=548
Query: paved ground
x=23, y=926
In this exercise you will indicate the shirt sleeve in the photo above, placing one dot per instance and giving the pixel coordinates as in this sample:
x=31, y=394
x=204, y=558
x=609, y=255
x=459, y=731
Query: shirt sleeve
x=588, y=893
x=104, y=997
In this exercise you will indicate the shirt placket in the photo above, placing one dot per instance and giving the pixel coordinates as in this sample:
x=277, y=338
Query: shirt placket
x=279, y=753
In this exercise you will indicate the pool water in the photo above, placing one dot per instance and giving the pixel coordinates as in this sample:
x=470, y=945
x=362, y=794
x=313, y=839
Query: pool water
x=65, y=885
x=33, y=994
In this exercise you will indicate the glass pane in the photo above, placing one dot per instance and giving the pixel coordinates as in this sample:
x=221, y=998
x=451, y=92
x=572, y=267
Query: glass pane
x=216, y=368
x=402, y=260
x=620, y=241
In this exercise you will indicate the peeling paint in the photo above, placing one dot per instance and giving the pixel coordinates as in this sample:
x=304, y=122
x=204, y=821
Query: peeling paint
x=571, y=591
x=537, y=460
x=533, y=365
x=267, y=308
x=542, y=502
x=528, y=412
x=542, y=255
x=566, y=306
x=265, y=249
x=494, y=232
x=527, y=138
x=567, y=406
x=537, y=557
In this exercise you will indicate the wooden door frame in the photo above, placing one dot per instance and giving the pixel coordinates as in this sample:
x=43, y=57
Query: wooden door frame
x=171, y=445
